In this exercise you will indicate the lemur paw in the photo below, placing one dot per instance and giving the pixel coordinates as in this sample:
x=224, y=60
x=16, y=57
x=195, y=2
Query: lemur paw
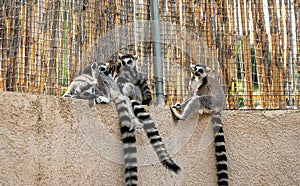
x=174, y=113
x=177, y=106
x=139, y=126
x=136, y=125
x=101, y=99
x=67, y=95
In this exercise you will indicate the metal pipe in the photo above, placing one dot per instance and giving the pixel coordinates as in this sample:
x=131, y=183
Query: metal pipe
x=157, y=64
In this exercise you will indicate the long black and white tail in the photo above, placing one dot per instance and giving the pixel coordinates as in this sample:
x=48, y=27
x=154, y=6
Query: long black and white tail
x=153, y=135
x=220, y=149
x=129, y=145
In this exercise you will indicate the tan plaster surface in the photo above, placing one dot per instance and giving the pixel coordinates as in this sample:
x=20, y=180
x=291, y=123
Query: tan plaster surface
x=46, y=140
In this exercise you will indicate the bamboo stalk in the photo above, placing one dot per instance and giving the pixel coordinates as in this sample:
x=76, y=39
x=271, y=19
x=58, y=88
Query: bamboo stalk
x=233, y=57
x=13, y=43
x=60, y=54
x=35, y=51
x=15, y=46
x=247, y=57
x=291, y=56
x=21, y=47
x=28, y=42
x=228, y=56
x=257, y=32
x=43, y=50
x=6, y=56
x=3, y=41
x=297, y=10
x=208, y=24
x=240, y=25
x=71, y=60
x=50, y=83
x=277, y=66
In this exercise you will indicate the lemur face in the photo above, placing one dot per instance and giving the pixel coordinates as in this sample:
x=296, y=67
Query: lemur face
x=128, y=60
x=200, y=70
x=100, y=67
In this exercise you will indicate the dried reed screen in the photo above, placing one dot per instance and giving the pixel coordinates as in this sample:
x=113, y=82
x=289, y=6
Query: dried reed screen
x=252, y=46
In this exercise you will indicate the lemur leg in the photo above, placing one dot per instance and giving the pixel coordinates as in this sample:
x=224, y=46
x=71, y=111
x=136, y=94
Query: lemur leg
x=189, y=107
x=132, y=91
x=135, y=122
x=204, y=104
x=67, y=94
x=208, y=103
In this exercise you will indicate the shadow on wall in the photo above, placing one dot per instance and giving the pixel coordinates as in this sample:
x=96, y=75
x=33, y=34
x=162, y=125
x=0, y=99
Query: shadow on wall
x=53, y=141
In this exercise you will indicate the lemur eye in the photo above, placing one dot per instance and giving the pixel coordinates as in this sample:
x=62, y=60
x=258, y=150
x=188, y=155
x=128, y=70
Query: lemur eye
x=102, y=69
x=201, y=70
x=129, y=62
x=123, y=63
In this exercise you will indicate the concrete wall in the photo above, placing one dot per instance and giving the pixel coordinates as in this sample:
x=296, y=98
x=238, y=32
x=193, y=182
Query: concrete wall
x=47, y=140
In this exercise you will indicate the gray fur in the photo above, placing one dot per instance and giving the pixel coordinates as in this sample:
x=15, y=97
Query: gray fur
x=130, y=81
x=86, y=86
x=123, y=108
x=206, y=95
x=128, y=123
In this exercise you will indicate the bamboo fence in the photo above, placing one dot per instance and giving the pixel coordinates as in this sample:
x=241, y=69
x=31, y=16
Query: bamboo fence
x=252, y=46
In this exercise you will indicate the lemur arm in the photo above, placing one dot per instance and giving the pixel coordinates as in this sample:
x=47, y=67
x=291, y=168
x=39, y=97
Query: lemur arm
x=201, y=103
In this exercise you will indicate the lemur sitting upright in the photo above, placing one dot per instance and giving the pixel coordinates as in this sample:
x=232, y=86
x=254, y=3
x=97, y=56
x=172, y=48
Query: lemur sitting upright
x=134, y=85
x=131, y=82
x=206, y=95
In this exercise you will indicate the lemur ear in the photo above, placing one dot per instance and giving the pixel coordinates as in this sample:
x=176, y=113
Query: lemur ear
x=94, y=66
x=120, y=56
x=135, y=57
x=192, y=67
x=208, y=69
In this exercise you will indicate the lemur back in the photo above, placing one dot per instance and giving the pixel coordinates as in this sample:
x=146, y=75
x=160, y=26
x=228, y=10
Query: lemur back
x=86, y=86
x=131, y=82
x=207, y=96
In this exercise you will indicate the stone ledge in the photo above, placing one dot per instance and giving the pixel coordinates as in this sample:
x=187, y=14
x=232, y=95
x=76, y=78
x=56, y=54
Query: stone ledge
x=46, y=140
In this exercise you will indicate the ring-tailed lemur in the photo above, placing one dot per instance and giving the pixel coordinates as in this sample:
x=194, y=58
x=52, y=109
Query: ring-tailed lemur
x=124, y=110
x=207, y=96
x=128, y=123
x=131, y=82
x=86, y=86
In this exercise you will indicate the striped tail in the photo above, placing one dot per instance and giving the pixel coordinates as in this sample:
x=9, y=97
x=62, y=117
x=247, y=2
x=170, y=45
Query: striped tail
x=153, y=135
x=146, y=93
x=129, y=145
x=220, y=149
